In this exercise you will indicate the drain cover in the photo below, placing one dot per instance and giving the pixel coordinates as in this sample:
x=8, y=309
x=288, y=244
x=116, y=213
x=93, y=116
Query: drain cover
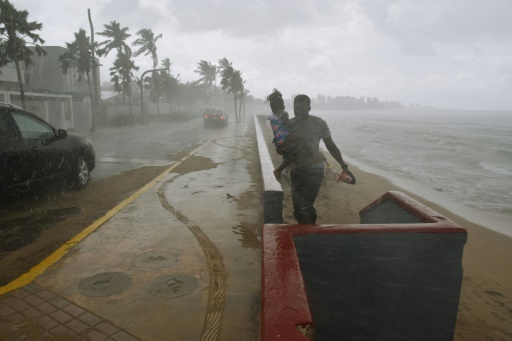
x=154, y=260
x=173, y=285
x=104, y=284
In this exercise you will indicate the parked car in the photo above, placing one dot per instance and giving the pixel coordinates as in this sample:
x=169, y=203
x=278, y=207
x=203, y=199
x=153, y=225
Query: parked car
x=33, y=152
x=214, y=117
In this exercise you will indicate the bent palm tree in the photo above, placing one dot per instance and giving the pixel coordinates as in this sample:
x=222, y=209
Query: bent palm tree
x=208, y=73
x=156, y=84
x=79, y=56
x=224, y=63
x=237, y=87
x=15, y=27
x=147, y=43
x=121, y=74
x=231, y=81
x=167, y=81
x=116, y=39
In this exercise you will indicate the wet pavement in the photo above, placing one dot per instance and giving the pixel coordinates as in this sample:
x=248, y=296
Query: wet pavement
x=178, y=260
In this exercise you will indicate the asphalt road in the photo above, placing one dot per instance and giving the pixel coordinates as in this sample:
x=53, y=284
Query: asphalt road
x=155, y=144
x=35, y=223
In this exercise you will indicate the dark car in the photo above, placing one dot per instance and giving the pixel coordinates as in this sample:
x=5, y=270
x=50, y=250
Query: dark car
x=213, y=117
x=33, y=152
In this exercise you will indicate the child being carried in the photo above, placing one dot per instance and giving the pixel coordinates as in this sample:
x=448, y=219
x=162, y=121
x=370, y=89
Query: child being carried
x=286, y=142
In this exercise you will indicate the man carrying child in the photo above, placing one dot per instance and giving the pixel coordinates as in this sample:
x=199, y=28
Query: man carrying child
x=307, y=173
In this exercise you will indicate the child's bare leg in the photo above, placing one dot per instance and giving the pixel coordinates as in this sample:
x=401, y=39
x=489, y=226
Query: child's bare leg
x=277, y=174
x=286, y=162
x=280, y=169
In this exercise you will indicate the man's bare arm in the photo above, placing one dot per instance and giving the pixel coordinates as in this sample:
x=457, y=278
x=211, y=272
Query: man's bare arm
x=335, y=152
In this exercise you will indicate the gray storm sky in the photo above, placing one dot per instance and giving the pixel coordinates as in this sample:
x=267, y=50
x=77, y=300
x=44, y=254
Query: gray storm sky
x=444, y=53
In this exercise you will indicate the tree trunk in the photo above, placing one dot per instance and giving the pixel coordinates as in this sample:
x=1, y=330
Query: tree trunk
x=211, y=95
x=94, y=99
x=124, y=90
x=170, y=100
x=130, y=104
x=240, y=107
x=236, y=114
x=244, y=104
x=93, y=107
x=20, y=82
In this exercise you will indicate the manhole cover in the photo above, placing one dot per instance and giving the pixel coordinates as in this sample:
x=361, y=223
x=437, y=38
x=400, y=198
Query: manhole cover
x=104, y=284
x=173, y=285
x=154, y=260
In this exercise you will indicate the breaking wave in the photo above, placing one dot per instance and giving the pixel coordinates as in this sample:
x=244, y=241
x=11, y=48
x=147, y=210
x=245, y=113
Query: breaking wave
x=496, y=168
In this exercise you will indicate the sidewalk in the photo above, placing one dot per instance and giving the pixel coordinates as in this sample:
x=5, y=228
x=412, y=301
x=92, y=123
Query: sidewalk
x=181, y=261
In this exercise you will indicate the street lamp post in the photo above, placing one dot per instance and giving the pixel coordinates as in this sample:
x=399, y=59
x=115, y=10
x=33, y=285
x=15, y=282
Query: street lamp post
x=142, y=90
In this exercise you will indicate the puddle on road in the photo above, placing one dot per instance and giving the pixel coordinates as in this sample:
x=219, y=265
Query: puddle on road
x=250, y=235
x=18, y=232
x=195, y=163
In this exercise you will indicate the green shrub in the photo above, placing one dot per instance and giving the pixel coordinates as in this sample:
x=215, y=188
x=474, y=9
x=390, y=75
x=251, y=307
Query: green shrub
x=120, y=120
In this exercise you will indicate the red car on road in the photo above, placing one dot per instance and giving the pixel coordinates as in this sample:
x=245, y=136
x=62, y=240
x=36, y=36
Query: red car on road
x=214, y=117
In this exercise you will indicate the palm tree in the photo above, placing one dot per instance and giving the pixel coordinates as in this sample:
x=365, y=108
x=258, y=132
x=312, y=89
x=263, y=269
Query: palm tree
x=167, y=81
x=147, y=43
x=3, y=52
x=237, y=85
x=208, y=73
x=226, y=83
x=223, y=65
x=156, y=86
x=231, y=81
x=241, y=90
x=166, y=64
x=121, y=74
x=123, y=65
x=116, y=39
x=14, y=29
x=79, y=55
x=244, y=96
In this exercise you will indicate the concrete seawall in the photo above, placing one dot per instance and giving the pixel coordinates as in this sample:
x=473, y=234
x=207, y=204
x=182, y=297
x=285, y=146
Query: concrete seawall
x=272, y=190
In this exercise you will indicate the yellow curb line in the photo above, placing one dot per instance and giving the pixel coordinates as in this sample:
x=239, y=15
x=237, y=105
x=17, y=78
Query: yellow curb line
x=38, y=269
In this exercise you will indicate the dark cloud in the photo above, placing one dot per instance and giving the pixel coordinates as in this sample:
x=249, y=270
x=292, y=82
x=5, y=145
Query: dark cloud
x=129, y=13
x=419, y=25
x=247, y=18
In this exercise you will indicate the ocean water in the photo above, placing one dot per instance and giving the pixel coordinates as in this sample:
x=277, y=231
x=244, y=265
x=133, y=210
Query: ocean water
x=462, y=159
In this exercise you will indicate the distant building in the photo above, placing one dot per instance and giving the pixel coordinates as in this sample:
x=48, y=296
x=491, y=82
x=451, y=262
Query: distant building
x=45, y=75
x=8, y=79
x=49, y=93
